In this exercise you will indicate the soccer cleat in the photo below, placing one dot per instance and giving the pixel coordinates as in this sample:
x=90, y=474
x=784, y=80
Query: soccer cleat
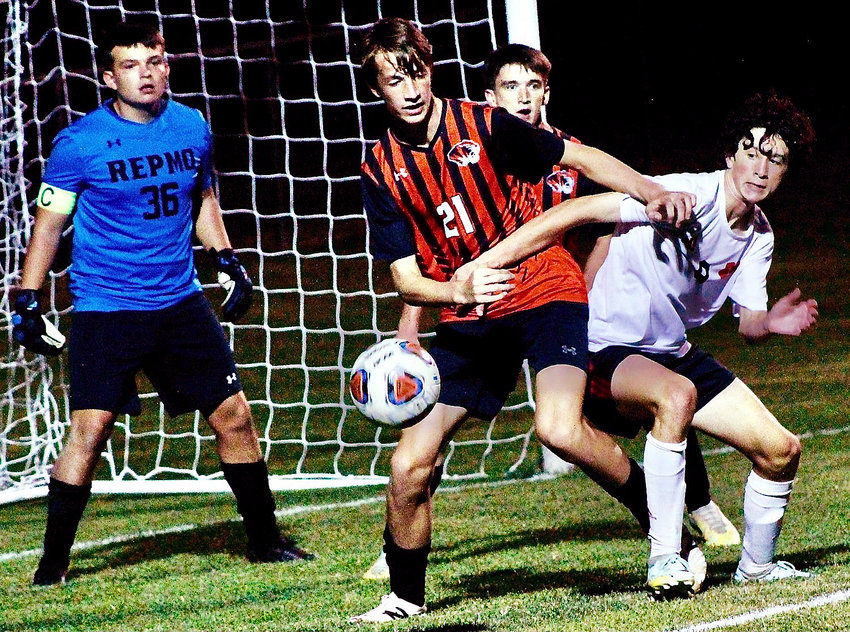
x=714, y=527
x=391, y=609
x=47, y=575
x=695, y=558
x=379, y=571
x=281, y=551
x=777, y=571
x=669, y=576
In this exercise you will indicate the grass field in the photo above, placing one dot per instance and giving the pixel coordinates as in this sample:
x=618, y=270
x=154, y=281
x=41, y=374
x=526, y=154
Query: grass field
x=553, y=554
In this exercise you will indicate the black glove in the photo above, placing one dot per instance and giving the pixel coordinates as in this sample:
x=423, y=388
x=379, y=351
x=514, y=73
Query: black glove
x=32, y=329
x=236, y=282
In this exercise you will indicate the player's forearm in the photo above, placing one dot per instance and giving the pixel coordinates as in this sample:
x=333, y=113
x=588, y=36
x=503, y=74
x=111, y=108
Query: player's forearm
x=408, y=322
x=608, y=171
x=41, y=250
x=209, y=227
x=753, y=326
x=550, y=227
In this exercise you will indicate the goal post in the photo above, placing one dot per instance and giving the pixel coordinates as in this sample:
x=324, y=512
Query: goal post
x=279, y=84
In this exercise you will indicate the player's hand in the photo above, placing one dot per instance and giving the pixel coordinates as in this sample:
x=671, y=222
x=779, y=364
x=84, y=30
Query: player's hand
x=31, y=329
x=236, y=282
x=791, y=315
x=672, y=207
x=480, y=285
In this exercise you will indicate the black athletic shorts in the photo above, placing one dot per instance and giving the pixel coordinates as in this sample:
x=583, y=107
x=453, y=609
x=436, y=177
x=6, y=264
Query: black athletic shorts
x=181, y=349
x=708, y=375
x=480, y=360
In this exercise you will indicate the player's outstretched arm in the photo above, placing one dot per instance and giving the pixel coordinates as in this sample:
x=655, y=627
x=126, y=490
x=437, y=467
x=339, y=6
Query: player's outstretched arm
x=482, y=285
x=550, y=227
x=601, y=167
x=791, y=315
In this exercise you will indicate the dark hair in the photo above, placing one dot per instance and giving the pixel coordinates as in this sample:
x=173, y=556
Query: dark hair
x=779, y=117
x=398, y=37
x=127, y=34
x=525, y=56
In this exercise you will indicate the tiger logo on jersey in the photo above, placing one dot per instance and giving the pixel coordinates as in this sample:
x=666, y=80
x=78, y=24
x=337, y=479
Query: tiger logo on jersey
x=465, y=153
x=562, y=182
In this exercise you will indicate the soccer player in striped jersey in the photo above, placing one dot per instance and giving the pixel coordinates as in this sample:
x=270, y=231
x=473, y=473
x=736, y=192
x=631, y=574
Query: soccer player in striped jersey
x=449, y=180
x=129, y=172
x=645, y=372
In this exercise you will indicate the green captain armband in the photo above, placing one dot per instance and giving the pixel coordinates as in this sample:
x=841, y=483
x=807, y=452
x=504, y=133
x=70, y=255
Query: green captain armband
x=56, y=200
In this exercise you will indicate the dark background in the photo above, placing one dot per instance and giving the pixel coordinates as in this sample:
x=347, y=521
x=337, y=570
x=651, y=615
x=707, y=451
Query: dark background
x=651, y=81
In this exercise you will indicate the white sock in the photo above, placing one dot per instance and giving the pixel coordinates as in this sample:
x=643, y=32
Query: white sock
x=764, y=508
x=664, y=467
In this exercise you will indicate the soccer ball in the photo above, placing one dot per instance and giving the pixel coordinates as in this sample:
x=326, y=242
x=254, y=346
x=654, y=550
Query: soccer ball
x=394, y=383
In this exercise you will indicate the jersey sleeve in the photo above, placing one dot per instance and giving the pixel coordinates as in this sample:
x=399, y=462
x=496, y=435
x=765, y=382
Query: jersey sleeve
x=521, y=149
x=390, y=234
x=63, y=167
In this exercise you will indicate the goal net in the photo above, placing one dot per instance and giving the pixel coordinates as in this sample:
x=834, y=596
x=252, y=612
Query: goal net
x=278, y=82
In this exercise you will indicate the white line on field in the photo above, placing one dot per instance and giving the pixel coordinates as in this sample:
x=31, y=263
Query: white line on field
x=302, y=509
x=823, y=600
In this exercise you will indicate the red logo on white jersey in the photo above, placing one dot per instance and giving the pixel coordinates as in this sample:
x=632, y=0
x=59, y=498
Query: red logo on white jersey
x=465, y=153
x=562, y=182
x=728, y=270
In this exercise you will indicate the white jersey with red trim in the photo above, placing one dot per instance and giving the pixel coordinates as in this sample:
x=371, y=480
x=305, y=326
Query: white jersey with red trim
x=653, y=287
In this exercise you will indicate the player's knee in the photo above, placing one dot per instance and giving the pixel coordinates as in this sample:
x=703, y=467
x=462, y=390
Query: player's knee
x=677, y=404
x=91, y=432
x=233, y=416
x=565, y=435
x=784, y=457
x=410, y=473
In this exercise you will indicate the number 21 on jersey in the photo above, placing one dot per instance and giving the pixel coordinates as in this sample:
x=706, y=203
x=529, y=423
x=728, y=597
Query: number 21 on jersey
x=451, y=215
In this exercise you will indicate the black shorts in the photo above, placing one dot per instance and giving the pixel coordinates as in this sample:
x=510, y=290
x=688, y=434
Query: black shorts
x=480, y=361
x=181, y=349
x=707, y=374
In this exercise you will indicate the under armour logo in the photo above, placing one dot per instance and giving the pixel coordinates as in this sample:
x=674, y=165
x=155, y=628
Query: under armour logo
x=568, y=350
x=401, y=173
x=113, y=143
x=232, y=378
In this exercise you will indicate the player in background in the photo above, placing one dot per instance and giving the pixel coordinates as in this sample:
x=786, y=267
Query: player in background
x=449, y=180
x=645, y=372
x=517, y=78
x=128, y=172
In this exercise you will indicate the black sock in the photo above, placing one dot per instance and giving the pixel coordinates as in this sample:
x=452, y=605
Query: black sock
x=632, y=494
x=697, y=487
x=65, y=505
x=407, y=569
x=254, y=502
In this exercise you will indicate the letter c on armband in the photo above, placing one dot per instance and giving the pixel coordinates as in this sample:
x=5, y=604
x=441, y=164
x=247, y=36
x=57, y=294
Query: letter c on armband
x=56, y=200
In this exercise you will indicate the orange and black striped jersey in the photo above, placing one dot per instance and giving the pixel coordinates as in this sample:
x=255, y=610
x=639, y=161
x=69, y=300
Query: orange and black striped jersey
x=470, y=188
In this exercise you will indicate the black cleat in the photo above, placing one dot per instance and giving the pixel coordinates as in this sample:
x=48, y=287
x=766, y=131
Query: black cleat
x=281, y=551
x=47, y=575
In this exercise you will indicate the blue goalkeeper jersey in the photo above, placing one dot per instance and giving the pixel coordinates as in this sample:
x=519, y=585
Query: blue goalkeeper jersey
x=133, y=221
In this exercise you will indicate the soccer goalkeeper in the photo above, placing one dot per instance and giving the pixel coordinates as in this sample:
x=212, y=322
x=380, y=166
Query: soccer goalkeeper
x=129, y=172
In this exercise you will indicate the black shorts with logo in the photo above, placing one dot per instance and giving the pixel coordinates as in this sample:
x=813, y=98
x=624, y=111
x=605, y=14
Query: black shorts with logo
x=707, y=374
x=181, y=349
x=479, y=361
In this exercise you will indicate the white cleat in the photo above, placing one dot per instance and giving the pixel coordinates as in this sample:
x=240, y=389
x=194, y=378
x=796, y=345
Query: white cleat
x=392, y=608
x=780, y=570
x=668, y=577
x=713, y=526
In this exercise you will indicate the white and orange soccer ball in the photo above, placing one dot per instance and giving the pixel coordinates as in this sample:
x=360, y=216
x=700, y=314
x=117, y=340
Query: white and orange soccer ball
x=394, y=383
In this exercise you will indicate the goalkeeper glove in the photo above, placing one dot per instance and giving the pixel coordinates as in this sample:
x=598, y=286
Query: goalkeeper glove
x=235, y=281
x=31, y=329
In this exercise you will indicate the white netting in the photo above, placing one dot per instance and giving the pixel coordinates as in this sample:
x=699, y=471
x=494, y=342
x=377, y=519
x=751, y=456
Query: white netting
x=291, y=121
